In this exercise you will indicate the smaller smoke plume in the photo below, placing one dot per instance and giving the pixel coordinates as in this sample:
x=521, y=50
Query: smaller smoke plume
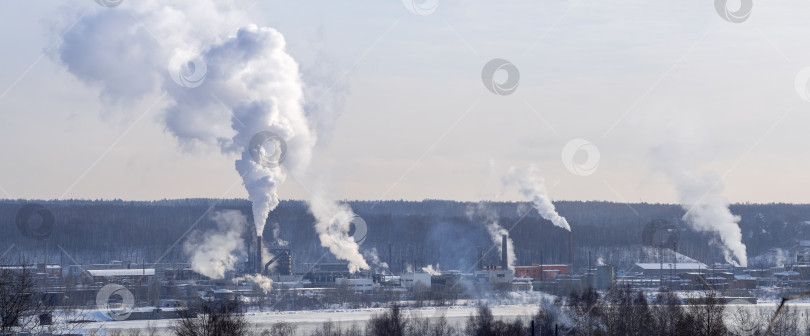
x=483, y=213
x=333, y=225
x=265, y=283
x=710, y=213
x=532, y=186
x=214, y=252
x=266, y=256
x=700, y=192
x=774, y=256
x=277, y=236
x=496, y=232
x=432, y=271
x=408, y=268
x=374, y=259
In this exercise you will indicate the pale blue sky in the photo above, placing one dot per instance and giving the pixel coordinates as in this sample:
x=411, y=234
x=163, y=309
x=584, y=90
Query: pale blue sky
x=418, y=122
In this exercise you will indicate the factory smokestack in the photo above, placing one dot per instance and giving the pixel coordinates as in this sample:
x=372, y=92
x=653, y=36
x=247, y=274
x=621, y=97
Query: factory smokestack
x=258, y=258
x=571, y=249
x=504, y=255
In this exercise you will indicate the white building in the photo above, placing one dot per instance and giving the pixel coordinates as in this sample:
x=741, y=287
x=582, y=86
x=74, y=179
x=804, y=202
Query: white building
x=357, y=285
x=495, y=276
x=409, y=280
x=656, y=269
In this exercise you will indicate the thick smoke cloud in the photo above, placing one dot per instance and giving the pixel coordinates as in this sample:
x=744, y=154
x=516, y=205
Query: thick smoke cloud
x=223, y=86
x=700, y=192
x=214, y=252
x=532, y=186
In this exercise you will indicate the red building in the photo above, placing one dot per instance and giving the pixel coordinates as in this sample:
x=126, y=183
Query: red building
x=540, y=272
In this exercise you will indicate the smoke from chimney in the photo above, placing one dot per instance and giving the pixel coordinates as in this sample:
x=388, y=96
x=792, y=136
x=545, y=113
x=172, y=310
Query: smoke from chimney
x=212, y=253
x=217, y=86
x=532, y=186
x=483, y=213
x=700, y=192
x=504, y=258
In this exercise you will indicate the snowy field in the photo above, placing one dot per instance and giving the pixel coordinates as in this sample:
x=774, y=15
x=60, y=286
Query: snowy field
x=308, y=321
x=524, y=306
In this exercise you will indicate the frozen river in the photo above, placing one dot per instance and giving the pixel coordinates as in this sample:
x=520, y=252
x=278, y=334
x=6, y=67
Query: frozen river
x=308, y=321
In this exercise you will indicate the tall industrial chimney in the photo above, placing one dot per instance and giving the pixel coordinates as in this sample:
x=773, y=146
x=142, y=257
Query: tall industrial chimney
x=259, y=264
x=571, y=250
x=504, y=255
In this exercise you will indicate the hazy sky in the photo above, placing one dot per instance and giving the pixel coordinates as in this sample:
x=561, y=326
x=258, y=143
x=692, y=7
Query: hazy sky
x=417, y=120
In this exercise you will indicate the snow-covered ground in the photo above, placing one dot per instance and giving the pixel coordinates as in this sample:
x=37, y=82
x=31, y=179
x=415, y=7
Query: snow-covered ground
x=521, y=305
x=308, y=321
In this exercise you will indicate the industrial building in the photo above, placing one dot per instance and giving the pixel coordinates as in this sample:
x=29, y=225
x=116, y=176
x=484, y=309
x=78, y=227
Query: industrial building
x=409, y=280
x=665, y=269
x=540, y=271
x=120, y=276
x=357, y=285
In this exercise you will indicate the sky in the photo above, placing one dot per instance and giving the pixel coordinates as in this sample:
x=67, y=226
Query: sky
x=618, y=79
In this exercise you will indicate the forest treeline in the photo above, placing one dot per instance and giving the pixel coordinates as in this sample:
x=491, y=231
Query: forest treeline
x=401, y=232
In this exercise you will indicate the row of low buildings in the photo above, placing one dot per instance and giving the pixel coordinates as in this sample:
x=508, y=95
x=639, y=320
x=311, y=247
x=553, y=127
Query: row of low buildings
x=694, y=275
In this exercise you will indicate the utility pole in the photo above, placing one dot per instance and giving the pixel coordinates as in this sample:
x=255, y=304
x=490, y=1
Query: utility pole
x=542, y=273
x=661, y=271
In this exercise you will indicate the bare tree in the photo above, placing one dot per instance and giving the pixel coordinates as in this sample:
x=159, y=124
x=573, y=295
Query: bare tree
x=747, y=321
x=213, y=319
x=421, y=293
x=807, y=323
x=668, y=316
x=418, y=326
x=20, y=303
x=390, y=323
x=354, y=330
x=707, y=314
x=282, y=329
x=786, y=322
x=151, y=329
x=585, y=310
x=329, y=328
x=483, y=323
x=626, y=312
x=276, y=329
x=440, y=327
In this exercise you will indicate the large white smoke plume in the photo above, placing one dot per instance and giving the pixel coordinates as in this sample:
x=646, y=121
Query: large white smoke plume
x=700, y=192
x=532, y=186
x=214, y=252
x=224, y=85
